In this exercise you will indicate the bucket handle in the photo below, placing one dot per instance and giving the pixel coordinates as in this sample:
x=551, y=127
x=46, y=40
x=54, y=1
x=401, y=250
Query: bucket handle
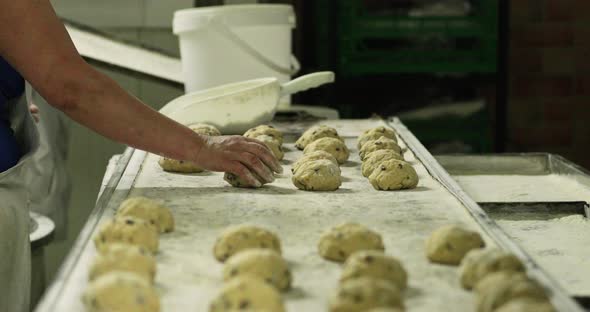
x=222, y=28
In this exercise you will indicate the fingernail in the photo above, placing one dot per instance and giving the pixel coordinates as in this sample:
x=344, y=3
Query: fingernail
x=257, y=184
x=280, y=169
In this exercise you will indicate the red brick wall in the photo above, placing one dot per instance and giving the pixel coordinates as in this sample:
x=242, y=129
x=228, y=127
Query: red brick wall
x=549, y=70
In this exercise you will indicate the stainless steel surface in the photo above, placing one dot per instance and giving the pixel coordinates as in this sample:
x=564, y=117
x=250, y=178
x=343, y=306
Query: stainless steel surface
x=510, y=164
x=529, y=164
x=188, y=276
x=541, y=201
x=534, y=208
x=534, y=177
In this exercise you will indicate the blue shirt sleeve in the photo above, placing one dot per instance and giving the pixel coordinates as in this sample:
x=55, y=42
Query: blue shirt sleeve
x=12, y=85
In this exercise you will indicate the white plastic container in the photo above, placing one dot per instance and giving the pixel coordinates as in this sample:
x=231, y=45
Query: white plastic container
x=236, y=107
x=226, y=44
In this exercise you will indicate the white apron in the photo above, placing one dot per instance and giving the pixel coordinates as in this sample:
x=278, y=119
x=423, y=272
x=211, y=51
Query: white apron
x=15, y=258
x=49, y=183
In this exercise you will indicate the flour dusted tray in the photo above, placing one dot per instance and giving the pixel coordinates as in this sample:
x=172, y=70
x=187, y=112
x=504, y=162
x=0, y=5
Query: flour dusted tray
x=188, y=276
x=539, y=199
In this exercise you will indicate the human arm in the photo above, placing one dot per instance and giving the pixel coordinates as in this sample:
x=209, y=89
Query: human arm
x=38, y=46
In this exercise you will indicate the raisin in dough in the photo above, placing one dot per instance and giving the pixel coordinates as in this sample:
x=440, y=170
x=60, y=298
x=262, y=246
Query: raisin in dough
x=273, y=145
x=124, y=257
x=265, y=264
x=499, y=288
x=449, y=244
x=236, y=181
x=379, y=144
x=183, y=166
x=374, y=264
x=364, y=294
x=247, y=293
x=526, y=305
x=374, y=134
x=242, y=237
x=315, y=155
x=374, y=159
x=317, y=175
x=315, y=133
x=128, y=230
x=121, y=292
x=265, y=130
x=331, y=145
x=341, y=241
x=393, y=174
x=480, y=262
x=150, y=211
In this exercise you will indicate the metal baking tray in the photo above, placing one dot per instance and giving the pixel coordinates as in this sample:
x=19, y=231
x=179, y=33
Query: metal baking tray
x=541, y=201
x=512, y=164
x=188, y=275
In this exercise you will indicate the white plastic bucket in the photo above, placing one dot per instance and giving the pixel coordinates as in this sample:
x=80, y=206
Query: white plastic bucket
x=226, y=44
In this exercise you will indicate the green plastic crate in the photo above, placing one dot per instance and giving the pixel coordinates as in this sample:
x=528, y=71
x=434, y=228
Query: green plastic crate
x=373, y=43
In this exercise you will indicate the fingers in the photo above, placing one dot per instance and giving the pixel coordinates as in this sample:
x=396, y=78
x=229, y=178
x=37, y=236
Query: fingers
x=242, y=171
x=251, y=140
x=267, y=157
x=248, y=159
x=256, y=166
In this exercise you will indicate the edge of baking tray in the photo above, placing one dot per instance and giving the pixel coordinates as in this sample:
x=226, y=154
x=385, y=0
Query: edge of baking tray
x=563, y=166
x=510, y=163
x=485, y=164
x=559, y=296
x=514, y=163
x=52, y=294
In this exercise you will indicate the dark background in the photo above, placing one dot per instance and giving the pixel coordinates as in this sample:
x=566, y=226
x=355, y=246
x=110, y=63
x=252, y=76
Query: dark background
x=541, y=89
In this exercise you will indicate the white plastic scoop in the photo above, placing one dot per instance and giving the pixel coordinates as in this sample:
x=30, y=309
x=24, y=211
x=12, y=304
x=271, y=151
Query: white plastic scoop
x=236, y=107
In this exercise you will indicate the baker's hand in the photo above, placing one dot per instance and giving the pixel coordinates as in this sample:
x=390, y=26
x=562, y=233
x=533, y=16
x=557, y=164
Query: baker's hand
x=244, y=157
